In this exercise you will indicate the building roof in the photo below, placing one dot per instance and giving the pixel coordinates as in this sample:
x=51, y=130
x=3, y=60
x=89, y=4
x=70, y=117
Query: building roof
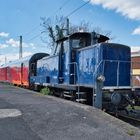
x=135, y=54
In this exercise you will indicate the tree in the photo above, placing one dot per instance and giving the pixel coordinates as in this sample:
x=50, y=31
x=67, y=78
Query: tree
x=83, y=26
x=56, y=29
x=53, y=30
x=105, y=33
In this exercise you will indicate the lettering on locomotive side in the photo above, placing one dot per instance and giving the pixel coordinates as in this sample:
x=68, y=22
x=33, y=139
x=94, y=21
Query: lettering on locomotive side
x=90, y=65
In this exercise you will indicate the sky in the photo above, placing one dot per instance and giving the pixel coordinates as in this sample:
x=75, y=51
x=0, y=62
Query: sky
x=22, y=17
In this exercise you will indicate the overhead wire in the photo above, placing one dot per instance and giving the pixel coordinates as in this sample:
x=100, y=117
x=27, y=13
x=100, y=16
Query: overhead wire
x=34, y=37
x=75, y=10
x=65, y=3
x=60, y=8
x=29, y=32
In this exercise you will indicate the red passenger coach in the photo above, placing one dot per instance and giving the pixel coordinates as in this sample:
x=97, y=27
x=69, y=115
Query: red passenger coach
x=15, y=73
x=18, y=72
x=3, y=73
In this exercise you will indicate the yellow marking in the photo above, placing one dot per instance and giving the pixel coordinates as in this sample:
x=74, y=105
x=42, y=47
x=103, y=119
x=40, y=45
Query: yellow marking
x=136, y=71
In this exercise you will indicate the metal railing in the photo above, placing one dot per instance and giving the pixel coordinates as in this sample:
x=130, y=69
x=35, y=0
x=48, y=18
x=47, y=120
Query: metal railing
x=76, y=72
x=102, y=65
x=76, y=75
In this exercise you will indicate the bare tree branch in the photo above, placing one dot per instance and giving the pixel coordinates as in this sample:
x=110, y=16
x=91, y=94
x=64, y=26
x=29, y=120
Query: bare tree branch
x=55, y=30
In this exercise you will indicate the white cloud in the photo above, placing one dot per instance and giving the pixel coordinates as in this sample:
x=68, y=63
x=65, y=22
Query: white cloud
x=12, y=42
x=27, y=54
x=30, y=45
x=128, y=8
x=136, y=31
x=15, y=43
x=11, y=57
x=3, y=46
x=3, y=34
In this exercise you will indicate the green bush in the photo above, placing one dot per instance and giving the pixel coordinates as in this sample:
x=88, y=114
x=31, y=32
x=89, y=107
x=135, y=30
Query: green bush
x=136, y=108
x=131, y=132
x=45, y=91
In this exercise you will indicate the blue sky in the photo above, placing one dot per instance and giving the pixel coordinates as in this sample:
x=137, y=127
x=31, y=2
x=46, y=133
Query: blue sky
x=22, y=17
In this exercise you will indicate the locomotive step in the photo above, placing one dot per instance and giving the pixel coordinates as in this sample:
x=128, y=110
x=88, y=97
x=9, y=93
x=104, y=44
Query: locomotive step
x=80, y=93
x=66, y=95
x=81, y=100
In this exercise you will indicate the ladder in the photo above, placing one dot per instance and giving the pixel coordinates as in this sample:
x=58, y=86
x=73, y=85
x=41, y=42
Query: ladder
x=81, y=97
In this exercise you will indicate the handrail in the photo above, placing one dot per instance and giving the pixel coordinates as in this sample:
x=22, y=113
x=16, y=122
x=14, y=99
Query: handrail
x=75, y=63
x=111, y=61
x=77, y=70
x=96, y=69
x=103, y=64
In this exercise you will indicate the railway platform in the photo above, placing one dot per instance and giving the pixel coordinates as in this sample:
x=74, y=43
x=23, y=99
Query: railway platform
x=28, y=115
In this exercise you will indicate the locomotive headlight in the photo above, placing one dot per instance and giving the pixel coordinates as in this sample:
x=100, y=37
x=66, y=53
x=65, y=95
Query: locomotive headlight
x=100, y=78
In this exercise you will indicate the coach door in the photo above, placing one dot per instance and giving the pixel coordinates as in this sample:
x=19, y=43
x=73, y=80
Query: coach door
x=33, y=69
x=24, y=74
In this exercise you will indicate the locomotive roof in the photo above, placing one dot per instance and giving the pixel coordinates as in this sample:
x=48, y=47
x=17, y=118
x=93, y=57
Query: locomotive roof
x=101, y=38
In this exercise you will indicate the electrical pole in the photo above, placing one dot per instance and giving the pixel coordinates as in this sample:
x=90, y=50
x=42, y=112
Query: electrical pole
x=20, y=48
x=68, y=26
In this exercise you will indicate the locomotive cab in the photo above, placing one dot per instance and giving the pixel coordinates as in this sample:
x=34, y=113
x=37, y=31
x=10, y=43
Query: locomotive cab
x=84, y=39
x=67, y=49
x=79, y=40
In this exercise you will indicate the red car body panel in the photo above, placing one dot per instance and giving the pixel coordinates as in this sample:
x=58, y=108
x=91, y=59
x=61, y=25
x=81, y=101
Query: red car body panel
x=18, y=72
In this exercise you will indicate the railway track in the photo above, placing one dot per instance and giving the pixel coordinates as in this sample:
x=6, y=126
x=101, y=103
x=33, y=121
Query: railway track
x=132, y=118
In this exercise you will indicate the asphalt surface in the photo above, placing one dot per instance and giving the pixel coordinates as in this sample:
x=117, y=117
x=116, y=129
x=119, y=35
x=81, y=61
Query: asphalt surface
x=26, y=115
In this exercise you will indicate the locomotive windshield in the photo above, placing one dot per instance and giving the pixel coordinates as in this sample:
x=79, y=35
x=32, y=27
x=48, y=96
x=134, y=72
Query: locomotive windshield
x=80, y=40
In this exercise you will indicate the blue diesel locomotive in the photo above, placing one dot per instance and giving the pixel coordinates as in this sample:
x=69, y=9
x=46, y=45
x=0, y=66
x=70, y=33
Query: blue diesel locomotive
x=86, y=68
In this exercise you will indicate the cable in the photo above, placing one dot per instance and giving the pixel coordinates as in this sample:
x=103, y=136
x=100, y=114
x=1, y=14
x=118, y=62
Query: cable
x=34, y=37
x=65, y=3
x=36, y=27
x=60, y=8
x=75, y=10
x=29, y=32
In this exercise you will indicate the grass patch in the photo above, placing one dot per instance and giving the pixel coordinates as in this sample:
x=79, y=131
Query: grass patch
x=45, y=91
x=131, y=132
x=136, y=108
